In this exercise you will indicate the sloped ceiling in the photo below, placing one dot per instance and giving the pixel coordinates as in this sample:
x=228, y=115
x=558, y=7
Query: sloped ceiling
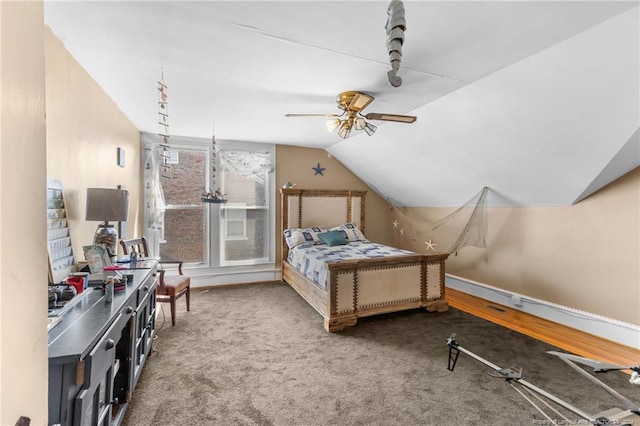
x=539, y=101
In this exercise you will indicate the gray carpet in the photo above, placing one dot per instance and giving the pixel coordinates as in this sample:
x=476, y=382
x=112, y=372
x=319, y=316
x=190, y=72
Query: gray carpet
x=258, y=355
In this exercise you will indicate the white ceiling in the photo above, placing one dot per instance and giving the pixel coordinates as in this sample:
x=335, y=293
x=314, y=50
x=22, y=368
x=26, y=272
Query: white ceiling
x=535, y=100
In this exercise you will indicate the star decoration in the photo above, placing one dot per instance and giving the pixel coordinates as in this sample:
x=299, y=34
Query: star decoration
x=430, y=245
x=318, y=169
x=395, y=223
x=401, y=231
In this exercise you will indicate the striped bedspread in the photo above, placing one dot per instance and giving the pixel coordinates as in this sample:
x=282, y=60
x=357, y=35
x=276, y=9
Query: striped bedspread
x=311, y=259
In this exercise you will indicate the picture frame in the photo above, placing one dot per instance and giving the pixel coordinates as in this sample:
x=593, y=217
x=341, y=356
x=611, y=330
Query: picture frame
x=97, y=258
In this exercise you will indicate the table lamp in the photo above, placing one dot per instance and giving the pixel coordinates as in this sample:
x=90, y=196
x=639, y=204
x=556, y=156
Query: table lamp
x=104, y=205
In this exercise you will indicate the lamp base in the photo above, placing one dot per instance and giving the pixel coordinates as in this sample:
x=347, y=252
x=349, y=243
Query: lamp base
x=107, y=236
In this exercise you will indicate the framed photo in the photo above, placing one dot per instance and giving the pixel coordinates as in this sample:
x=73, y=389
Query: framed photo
x=97, y=258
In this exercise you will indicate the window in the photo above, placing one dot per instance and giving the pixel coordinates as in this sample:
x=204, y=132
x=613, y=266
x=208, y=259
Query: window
x=179, y=226
x=246, y=217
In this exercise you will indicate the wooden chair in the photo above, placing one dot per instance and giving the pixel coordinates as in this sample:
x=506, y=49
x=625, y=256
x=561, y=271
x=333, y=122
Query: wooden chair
x=170, y=287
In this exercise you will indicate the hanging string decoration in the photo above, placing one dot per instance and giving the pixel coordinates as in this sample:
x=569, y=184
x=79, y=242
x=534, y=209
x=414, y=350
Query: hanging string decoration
x=466, y=226
x=163, y=122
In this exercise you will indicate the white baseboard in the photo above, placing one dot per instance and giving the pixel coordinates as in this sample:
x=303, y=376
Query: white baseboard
x=208, y=279
x=607, y=328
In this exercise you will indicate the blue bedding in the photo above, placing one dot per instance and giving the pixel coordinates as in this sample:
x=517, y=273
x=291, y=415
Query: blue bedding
x=311, y=259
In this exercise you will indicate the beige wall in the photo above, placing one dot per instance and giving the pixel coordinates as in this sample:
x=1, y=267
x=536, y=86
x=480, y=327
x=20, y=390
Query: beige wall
x=23, y=256
x=295, y=164
x=79, y=144
x=585, y=256
x=84, y=129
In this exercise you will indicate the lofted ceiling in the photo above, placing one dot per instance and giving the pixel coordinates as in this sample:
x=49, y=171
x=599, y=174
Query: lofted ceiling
x=539, y=101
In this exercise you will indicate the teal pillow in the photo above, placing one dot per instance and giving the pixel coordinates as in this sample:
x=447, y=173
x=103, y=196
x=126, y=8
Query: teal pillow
x=333, y=238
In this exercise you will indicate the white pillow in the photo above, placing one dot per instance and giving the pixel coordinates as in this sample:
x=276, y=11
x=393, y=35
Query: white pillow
x=296, y=236
x=350, y=231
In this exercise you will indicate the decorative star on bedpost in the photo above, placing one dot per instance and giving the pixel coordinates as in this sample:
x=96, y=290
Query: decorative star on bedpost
x=430, y=245
x=401, y=231
x=318, y=170
x=395, y=223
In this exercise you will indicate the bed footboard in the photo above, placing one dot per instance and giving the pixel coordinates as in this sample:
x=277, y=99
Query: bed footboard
x=376, y=286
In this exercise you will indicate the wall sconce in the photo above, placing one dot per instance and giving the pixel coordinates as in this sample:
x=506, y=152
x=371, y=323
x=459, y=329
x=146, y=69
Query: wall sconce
x=104, y=205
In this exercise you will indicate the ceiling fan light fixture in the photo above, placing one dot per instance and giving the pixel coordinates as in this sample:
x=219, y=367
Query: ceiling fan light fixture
x=345, y=129
x=359, y=123
x=370, y=129
x=333, y=124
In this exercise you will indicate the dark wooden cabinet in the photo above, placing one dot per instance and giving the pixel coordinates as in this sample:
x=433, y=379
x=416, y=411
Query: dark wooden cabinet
x=144, y=330
x=97, y=351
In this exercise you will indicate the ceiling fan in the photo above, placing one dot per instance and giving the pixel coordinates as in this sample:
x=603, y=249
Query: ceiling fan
x=352, y=103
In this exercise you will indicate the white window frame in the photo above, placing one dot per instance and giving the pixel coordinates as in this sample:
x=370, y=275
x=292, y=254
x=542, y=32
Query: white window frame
x=270, y=196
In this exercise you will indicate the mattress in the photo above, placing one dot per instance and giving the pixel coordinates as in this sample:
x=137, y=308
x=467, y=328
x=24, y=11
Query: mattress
x=311, y=259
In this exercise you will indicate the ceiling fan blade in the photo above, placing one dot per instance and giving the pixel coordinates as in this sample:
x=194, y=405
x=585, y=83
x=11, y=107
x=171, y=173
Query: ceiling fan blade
x=391, y=117
x=311, y=115
x=360, y=101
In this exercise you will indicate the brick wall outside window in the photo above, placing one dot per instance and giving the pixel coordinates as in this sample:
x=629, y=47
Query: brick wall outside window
x=185, y=228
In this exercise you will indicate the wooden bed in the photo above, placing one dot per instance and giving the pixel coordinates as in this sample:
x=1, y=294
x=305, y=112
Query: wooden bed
x=358, y=288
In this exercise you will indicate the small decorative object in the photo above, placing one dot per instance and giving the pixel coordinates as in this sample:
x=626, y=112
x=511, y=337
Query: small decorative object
x=430, y=245
x=214, y=195
x=288, y=185
x=318, y=170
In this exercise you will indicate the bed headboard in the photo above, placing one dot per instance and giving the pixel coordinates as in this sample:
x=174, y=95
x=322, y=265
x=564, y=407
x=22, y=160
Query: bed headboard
x=303, y=208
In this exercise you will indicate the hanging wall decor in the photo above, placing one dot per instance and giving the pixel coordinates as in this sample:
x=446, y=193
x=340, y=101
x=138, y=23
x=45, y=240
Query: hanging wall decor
x=465, y=226
x=163, y=122
x=318, y=170
x=214, y=195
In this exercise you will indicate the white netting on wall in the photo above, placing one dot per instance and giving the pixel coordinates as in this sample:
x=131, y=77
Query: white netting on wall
x=466, y=226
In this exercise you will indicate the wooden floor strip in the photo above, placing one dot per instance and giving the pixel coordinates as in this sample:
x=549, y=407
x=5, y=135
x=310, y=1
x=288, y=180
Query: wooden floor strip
x=560, y=336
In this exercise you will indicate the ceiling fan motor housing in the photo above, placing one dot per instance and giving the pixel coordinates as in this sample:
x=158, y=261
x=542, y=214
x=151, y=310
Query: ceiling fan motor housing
x=353, y=100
